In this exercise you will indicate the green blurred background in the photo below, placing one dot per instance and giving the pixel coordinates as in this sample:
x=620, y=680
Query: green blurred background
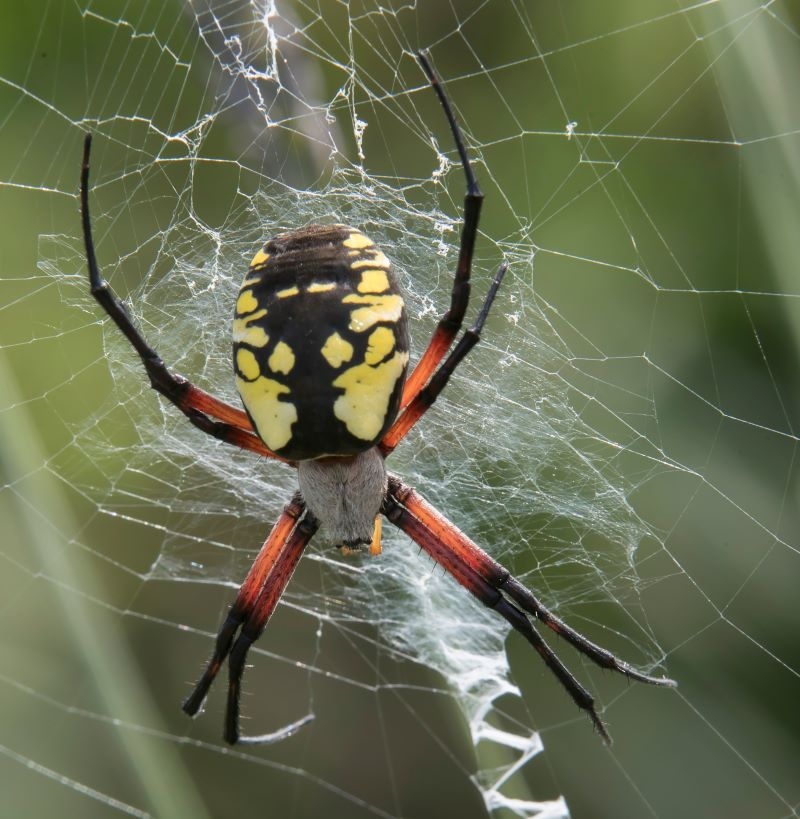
x=653, y=293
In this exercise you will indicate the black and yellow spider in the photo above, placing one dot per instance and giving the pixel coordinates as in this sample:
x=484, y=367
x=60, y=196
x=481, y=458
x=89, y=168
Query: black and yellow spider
x=320, y=354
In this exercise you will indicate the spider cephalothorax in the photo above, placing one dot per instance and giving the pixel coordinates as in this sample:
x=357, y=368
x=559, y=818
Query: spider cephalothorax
x=320, y=351
x=346, y=494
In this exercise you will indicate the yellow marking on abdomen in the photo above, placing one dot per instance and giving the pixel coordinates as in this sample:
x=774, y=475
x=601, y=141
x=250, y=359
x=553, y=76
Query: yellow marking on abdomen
x=282, y=359
x=376, y=259
x=358, y=241
x=321, y=287
x=273, y=418
x=336, y=351
x=367, y=391
x=376, y=309
x=247, y=364
x=260, y=258
x=380, y=344
x=255, y=336
x=373, y=281
x=246, y=303
x=287, y=292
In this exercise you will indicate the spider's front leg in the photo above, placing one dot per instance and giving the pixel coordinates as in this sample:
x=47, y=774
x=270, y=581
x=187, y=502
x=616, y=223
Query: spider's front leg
x=493, y=585
x=258, y=596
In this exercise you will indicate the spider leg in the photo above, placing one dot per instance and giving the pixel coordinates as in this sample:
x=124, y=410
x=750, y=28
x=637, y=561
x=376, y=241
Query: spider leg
x=450, y=323
x=248, y=593
x=601, y=656
x=200, y=407
x=252, y=628
x=489, y=581
x=423, y=400
x=502, y=580
x=471, y=580
x=254, y=604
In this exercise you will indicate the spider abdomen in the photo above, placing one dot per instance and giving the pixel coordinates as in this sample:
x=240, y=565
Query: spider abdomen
x=320, y=343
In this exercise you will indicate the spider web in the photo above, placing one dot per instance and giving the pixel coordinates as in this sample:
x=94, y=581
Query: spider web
x=624, y=438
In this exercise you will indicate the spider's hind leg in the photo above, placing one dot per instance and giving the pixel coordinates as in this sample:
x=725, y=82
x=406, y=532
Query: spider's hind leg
x=201, y=408
x=425, y=398
x=450, y=323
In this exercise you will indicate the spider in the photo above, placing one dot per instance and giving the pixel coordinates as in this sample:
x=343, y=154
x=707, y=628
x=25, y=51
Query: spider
x=320, y=354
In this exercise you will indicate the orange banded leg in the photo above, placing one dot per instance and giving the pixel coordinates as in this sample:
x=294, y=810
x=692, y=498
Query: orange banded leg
x=489, y=582
x=248, y=593
x=450, y=323
x=468, y=576
x=253, y=626
x=201, y=408
x=257, y=599
x=423, y=400
x=233, y=426
x=501, y=579
x=210, y=405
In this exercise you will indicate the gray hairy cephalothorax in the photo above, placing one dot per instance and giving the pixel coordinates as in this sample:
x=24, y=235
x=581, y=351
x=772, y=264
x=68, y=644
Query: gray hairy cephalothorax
x=345, y=494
